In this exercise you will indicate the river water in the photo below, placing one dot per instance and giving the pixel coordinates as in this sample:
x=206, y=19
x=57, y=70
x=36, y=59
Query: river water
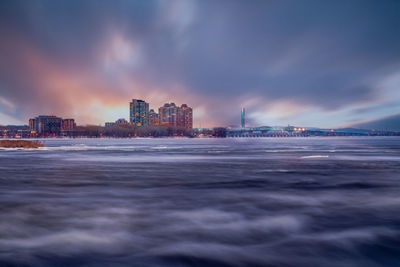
x=202, y=202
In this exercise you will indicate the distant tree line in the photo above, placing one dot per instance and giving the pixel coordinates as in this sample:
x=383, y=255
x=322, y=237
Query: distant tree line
x=128, y=131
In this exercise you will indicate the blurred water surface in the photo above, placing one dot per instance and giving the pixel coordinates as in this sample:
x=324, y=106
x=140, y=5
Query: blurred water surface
x=197, y=202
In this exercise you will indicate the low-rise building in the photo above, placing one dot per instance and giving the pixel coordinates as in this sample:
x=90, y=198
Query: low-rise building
x=68, y=124
x=46, y=125
x=121, y=122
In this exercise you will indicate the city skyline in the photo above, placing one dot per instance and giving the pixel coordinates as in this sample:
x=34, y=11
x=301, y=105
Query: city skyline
x=305, y=63
x=140, y=115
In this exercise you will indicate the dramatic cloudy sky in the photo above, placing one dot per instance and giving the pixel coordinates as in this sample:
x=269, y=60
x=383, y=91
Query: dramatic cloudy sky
x=309, y=63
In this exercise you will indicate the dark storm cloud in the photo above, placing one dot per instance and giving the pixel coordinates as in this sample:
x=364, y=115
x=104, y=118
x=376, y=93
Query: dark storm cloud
x=390, y=123
x=327, y=55
x=65, y=29
x=320, y=53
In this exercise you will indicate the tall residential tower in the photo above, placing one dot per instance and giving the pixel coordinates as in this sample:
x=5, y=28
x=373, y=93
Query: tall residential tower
x=175, y=116
x=153, y=118
x=185, y=117
x=139, y=113
x=168, y=114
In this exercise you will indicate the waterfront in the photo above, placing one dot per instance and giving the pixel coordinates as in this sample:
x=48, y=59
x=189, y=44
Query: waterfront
x=181, y=201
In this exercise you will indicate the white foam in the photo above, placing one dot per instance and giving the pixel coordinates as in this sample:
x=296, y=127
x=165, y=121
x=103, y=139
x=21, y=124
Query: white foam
x=315, y=157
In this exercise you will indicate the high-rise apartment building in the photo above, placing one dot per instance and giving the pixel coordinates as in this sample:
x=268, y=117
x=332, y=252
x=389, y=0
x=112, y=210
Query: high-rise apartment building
x=168, y=114
x=139, y=113
x=153, y=118
x=172, y=115
x=185, y=117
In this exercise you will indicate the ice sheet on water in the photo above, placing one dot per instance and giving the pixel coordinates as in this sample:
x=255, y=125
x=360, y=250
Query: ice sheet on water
x=170, y=202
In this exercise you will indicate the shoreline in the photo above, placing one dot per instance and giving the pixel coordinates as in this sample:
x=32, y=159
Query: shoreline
x=35, y=139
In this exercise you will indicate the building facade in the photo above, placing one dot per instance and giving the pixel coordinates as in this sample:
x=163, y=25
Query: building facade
x=121, y=122
x=46, y=125
x=174, y=116
x=185, y=117
x=32, y=124
x=139, y=113
x=153, y=118
x=68, y=124
x=168, y=114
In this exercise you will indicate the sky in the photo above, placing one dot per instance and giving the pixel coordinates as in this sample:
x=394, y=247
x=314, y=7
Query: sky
x=307, y=63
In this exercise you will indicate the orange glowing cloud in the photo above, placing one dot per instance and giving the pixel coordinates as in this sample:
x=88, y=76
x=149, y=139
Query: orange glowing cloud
x=86, y=93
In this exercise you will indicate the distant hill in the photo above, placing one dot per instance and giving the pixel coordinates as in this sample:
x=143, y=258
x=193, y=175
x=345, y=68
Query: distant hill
x=358, y=129
x=391, y=123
